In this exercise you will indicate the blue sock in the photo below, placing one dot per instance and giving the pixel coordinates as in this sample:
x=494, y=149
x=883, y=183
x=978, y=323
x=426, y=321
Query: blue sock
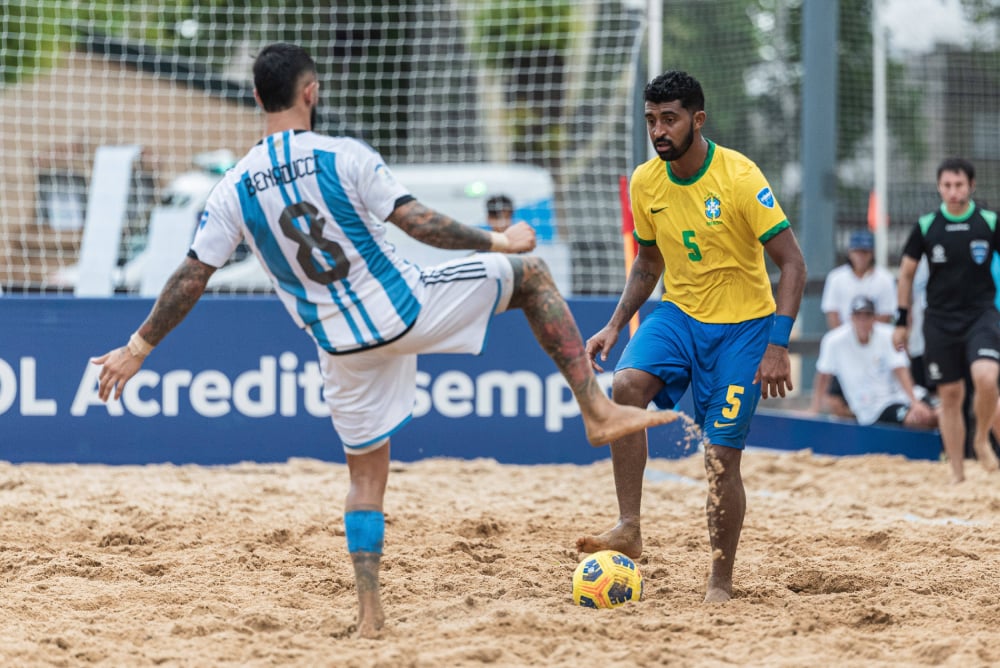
x=365, y=530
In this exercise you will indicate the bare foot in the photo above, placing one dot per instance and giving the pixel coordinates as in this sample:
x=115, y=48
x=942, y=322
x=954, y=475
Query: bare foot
x=987, y=458
x=720, y=589
x=717, y=595
x=370, y=615
x=624, y=538
x=615, y=421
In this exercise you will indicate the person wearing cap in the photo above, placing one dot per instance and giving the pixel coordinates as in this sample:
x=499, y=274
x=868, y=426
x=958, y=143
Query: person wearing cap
x=858, y=276
x=874, y=375
x=499, y=212
x=961, y=322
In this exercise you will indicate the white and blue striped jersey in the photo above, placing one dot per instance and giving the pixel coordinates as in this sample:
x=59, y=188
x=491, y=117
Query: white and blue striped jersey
x=311, y=208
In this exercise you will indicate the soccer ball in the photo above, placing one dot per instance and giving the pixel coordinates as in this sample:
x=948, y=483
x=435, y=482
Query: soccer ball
x=606, y=579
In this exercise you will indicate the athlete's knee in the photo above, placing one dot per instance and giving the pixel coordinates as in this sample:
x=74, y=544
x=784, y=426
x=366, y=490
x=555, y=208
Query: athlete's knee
x=530, y=272
x=369, y=473
x=984, y=373
x=631, y=387
x=951, y=394
x=722, y=462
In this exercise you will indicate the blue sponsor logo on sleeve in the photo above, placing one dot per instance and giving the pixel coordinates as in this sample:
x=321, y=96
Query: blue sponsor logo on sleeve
x=766, y=197
x=203, y=219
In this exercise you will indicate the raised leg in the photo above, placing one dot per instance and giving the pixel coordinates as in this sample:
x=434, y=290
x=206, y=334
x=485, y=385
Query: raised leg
x=555, y=329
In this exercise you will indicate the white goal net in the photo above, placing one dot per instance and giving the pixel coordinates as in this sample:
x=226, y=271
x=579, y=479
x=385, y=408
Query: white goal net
x=116, y=117
x=543, y=84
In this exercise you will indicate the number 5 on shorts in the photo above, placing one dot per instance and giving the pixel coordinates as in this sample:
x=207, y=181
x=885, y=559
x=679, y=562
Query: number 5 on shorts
x=733, y=402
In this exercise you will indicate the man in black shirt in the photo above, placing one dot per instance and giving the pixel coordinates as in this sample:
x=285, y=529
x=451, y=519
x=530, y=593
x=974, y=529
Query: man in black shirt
x=961, y=323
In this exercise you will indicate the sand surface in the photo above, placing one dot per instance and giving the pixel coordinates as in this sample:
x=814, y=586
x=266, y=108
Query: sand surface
x=862, y=561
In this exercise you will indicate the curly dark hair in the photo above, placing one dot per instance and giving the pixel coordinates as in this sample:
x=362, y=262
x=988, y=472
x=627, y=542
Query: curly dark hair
x=676, y=85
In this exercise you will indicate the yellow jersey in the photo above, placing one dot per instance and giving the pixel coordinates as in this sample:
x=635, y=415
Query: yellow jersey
x=711, y=230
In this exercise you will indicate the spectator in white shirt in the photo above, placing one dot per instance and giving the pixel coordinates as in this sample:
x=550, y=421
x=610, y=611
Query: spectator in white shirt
x=858, y=276
x=874, y=375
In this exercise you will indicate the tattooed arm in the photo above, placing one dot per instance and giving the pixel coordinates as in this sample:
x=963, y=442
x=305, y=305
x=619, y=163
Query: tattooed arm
x=178, y=297
x=182, y=291
x=441, y=231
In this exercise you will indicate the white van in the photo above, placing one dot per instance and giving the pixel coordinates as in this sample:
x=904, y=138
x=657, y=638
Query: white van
x=458, y=190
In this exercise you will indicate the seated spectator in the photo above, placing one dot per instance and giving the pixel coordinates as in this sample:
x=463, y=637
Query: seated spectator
x=858, y=276
x=875, y=377
x=499, y=212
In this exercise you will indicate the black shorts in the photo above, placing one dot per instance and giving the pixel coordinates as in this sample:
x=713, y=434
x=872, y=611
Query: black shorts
x=919, y=372
x=834, y=389
x=893, y=414
x=949, y=351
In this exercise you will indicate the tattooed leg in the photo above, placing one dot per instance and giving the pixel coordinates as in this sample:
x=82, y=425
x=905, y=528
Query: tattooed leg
x=552, y=322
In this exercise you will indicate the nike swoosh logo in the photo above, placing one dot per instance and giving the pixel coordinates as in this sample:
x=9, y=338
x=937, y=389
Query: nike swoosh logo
x=723, y=425
x=662, y=208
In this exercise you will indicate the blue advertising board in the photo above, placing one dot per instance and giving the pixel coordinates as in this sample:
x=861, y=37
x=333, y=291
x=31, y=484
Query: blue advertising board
x=237, y=381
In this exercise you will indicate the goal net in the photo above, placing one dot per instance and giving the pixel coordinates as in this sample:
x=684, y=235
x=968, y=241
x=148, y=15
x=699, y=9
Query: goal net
x=545, y=84
x=537, y=99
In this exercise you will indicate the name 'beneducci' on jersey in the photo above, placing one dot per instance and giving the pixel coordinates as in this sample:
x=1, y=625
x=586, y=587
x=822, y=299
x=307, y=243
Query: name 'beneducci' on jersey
x=710, y=229
x=310, y=207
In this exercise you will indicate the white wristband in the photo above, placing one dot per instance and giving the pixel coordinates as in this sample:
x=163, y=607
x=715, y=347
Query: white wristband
x=138, y=346
x=499, y=243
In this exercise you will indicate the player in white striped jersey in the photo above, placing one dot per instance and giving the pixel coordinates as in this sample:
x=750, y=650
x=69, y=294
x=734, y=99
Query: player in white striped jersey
x=311, y=208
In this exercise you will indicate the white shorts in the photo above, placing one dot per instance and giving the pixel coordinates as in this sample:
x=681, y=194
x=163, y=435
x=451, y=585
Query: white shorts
x=371, y=393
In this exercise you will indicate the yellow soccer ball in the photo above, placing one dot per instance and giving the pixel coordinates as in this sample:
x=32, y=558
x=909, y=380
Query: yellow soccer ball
x=606, y=579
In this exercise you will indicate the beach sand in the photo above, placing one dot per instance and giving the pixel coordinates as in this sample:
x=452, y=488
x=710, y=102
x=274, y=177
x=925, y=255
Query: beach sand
x=858, y=561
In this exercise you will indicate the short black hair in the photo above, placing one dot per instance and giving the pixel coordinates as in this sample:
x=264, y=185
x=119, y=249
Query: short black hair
x=676, y=85
x=957, y=165
x=277, y=71
x=498, y=203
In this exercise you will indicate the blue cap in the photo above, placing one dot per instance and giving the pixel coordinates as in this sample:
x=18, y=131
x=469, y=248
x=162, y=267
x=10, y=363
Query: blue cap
x=862, y=240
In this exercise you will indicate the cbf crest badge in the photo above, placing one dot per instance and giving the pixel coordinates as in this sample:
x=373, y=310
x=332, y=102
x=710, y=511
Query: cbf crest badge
x=980, y=250
x=713, y=208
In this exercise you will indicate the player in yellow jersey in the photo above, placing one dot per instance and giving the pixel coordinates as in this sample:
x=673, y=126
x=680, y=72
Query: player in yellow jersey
x=704, y=215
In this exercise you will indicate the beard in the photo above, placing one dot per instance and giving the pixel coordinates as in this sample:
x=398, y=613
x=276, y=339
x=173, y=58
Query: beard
x=312, y=118
x=676, y=152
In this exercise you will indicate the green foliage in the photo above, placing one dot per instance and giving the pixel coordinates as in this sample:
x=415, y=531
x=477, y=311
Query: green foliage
x=855, y=83
x=697, y=36
x=982, y=10
x=522, y=41
x=510, y=30
x=29, y=38
x=34, y=33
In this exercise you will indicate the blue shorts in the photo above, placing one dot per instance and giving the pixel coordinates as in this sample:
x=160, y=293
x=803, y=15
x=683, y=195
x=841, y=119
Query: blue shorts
x=719, y=363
